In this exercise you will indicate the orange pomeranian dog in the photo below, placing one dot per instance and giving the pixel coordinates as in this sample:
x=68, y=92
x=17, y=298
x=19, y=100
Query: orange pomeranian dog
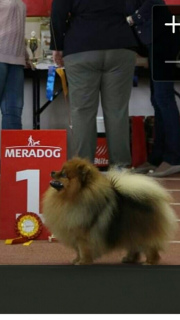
x=96, y=213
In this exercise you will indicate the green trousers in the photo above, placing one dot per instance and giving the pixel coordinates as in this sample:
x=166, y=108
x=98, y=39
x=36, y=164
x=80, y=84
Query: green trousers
x=107, y=74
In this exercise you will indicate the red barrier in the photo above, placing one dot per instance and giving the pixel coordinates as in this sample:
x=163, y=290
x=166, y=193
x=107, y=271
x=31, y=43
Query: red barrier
x=138, y=142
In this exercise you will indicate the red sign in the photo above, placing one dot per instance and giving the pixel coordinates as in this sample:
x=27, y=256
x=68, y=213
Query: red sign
x=101, y=157
x=27, y=159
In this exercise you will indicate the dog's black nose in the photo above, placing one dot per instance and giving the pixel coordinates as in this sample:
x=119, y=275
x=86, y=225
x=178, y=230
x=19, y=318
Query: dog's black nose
x=52, y=174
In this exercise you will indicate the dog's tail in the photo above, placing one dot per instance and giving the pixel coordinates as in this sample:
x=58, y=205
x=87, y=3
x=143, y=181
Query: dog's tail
x=138, y=186
x=147, y=191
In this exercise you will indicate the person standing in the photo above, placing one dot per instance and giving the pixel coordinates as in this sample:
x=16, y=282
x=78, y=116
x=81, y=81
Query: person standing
x=13, y=58
x=164, y=159
x=97, y=47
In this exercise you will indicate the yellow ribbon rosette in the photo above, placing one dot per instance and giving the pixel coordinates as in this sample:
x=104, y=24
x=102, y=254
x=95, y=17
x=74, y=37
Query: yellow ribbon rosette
x=28, y=227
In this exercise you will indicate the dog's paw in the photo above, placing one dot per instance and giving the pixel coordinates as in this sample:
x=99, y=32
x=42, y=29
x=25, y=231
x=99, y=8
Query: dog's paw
x=127, y=260
x=132, y=258
x=151, y=263
x=83, y=262
x=76, y=260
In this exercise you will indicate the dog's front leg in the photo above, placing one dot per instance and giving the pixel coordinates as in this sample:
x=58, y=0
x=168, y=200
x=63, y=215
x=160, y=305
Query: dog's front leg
x=76, y=260
x=133, y=256
x=85, y=254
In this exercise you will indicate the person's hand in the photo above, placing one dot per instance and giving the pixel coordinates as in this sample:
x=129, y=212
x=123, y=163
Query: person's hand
x=58, y=58
x=29, y=65
x=28, y=62
x=129, y=20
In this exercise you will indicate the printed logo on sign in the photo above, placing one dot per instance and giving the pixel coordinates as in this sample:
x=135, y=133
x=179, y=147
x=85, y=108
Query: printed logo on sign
x=101, y=157
x=33, y=149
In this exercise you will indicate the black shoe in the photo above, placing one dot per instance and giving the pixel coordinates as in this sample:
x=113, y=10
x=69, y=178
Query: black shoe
x=144, y=168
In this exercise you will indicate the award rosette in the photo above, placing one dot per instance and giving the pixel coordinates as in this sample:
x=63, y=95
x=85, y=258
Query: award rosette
x=28, y=227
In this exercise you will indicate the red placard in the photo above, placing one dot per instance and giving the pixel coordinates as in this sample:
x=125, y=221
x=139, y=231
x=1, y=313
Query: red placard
x=38, y=8
x=27, y=159
x=101, y=158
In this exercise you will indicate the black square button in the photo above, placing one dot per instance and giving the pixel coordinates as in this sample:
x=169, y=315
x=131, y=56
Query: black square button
x=166, y=43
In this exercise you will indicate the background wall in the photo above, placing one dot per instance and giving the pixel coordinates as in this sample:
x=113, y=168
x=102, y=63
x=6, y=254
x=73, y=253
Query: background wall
x=57, y=114
x=43, y=7
x=38, y=7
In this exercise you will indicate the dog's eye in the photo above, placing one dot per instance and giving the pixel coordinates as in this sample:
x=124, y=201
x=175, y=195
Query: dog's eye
x=63, y=174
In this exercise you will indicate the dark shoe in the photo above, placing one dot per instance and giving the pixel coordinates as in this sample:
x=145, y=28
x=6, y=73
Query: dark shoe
x=165, y=169
x=144, y=168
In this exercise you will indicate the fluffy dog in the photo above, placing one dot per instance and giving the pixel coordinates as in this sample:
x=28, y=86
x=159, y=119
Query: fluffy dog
x=95, y=213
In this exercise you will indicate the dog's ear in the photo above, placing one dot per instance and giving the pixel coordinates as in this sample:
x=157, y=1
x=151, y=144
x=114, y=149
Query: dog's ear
x=84, y=172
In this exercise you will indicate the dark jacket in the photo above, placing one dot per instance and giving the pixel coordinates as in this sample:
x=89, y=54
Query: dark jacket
x=93, y=25
x=141, y=12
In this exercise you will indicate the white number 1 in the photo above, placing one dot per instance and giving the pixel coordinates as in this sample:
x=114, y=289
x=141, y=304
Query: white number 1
x=33, y=185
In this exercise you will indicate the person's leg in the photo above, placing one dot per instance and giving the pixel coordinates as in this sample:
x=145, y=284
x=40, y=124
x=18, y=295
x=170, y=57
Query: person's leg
x=12, y=99
x=83, y=72
x=3, y=77
x=166, y=146
x=167, y=123
x=3, y=80
x=116, y=87
x=165, y=154
x=166, y=150
x=156, y=155
x=165, y=99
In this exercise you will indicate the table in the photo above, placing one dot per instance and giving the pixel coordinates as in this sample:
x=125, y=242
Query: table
x=41, y=72
x=36, y=75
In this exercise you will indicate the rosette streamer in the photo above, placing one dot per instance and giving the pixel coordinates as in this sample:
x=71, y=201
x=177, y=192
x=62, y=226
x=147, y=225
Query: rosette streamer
x=52, y=70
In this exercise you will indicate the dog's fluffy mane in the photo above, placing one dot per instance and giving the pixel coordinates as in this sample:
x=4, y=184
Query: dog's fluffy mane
x=92, y=194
